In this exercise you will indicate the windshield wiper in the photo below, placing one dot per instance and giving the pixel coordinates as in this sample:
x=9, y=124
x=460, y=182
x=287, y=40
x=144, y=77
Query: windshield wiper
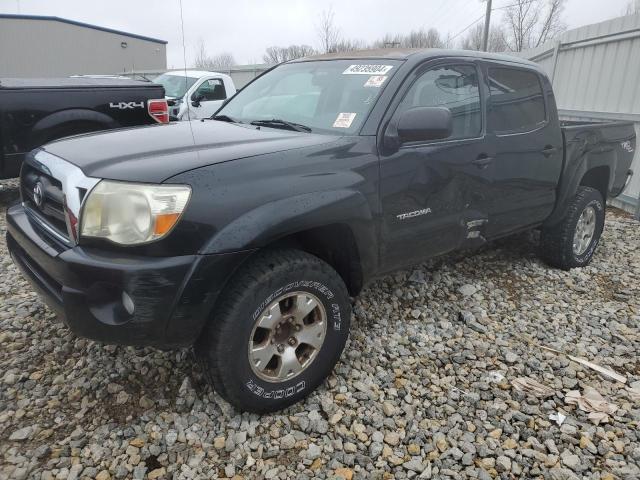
x=225, y=118
x=275, y=122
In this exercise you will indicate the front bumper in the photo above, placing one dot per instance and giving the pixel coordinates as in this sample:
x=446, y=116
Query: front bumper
x=172, y=296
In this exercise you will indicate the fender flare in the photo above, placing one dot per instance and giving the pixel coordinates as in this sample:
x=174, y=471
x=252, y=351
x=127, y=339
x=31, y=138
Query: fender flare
x=43, y=126
x=272, y=221
x=571, y=178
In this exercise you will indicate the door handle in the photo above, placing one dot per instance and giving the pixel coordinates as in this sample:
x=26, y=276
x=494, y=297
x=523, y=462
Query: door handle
x=549, y=150
x=482, y=161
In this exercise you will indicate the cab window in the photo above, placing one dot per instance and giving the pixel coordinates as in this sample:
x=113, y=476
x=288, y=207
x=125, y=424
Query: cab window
x=454, y=87
x=210, y=90
x=516, y=100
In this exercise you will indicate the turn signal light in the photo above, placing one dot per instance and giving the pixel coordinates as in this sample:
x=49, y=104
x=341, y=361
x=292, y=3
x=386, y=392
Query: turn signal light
x=165, y=222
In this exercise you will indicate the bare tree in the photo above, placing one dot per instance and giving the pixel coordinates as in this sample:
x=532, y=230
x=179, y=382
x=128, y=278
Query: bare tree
x=633, y=7
x=328, y=33
x=423, y=39
x=530, y=23
x=415, y=39
x=348, y=45
x=221, y=61
x=389, y=41
x=473, y=40
x=202, y=59
x=274, y=55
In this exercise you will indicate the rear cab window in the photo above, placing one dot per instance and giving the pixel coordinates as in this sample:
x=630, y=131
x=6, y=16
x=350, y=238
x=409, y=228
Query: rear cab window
x=516, y=100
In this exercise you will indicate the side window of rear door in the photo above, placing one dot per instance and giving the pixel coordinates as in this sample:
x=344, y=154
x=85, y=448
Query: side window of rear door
x=454, y=87
x=517, y=102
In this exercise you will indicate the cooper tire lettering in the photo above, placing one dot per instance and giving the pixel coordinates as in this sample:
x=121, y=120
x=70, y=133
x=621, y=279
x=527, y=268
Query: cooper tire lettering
x=275, y=394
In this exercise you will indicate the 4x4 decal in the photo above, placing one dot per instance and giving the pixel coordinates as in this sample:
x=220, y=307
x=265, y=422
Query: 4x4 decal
x=126, y=105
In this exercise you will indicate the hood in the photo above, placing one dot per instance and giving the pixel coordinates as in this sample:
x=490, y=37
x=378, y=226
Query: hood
x=155, y=153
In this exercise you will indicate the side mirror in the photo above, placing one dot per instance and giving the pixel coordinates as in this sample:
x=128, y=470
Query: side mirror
x=421, y=124
x=196, y=99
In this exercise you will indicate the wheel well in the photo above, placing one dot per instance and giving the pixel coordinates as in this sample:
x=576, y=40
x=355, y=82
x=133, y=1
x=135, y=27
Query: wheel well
x=336, y=245
x=66, y=129
x=598, y=178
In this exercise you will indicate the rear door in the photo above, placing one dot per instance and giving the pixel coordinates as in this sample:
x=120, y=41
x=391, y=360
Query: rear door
x=522, y=126
x=433, y=194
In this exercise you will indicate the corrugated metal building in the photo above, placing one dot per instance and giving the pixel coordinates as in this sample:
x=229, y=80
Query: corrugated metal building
x=35, y=46
x=596, y=76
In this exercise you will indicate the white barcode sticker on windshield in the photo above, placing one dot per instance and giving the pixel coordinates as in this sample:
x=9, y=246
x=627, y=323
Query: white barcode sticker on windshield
x=367, y=69
x=375, y=81
x=344, y=120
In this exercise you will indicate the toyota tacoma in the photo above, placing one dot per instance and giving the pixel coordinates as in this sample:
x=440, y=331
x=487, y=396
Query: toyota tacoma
x=246, y=234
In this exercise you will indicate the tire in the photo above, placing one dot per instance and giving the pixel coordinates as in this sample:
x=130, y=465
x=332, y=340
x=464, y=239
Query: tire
x=287, y=281
x=557, y=242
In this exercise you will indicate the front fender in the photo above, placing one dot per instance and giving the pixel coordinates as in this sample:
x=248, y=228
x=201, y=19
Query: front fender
x=275, y=220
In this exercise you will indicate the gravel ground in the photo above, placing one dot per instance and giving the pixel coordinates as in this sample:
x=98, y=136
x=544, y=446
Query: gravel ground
x=419, y=393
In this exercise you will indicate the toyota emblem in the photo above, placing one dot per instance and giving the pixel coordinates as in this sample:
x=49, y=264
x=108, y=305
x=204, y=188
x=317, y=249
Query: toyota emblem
x=38, y=194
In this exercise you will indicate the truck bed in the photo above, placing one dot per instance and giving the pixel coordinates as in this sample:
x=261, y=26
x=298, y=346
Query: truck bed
x=606, y=148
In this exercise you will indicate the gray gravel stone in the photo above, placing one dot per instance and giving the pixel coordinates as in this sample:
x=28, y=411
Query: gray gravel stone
x=21, y=434
x=414, y=396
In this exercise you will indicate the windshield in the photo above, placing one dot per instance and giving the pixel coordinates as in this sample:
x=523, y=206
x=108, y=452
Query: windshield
x=327, y=96
x=175, y=85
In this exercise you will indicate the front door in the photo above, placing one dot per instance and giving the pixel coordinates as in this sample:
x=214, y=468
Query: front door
x=207, y=98
x=434, y=194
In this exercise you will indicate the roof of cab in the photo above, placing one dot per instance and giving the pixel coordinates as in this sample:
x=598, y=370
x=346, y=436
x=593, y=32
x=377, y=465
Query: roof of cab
x=415, y=53
x=194, y=73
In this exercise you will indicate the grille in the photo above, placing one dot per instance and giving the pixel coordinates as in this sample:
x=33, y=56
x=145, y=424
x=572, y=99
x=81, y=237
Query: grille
x=51, y=208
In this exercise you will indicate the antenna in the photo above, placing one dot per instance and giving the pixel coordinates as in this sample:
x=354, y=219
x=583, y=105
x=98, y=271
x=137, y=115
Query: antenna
x=184, y=56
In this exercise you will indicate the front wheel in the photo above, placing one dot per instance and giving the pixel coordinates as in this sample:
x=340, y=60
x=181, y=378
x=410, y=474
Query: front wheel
x=278, y=332
x=572, y=242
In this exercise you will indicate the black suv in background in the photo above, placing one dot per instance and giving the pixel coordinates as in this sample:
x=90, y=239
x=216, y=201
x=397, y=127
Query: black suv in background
x=34, y=111
x=246, y=234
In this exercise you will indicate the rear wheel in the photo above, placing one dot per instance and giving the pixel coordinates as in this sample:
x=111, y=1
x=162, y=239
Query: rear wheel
x=572, y=242
x=278, y=332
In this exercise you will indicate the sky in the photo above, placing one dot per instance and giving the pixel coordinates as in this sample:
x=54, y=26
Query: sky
x=246, y=27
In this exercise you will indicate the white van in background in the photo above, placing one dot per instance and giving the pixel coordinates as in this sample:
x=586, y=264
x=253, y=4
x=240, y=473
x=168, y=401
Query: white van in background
x=195, y=93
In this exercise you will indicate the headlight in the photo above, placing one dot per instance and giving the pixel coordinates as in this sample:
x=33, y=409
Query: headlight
x=129, y=213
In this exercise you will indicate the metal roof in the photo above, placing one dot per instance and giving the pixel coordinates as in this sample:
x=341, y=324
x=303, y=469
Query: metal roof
x=80, y=24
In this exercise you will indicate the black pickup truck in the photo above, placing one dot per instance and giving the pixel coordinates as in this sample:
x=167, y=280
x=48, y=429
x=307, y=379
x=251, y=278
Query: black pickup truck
x=34, y=111
x=245, y=234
